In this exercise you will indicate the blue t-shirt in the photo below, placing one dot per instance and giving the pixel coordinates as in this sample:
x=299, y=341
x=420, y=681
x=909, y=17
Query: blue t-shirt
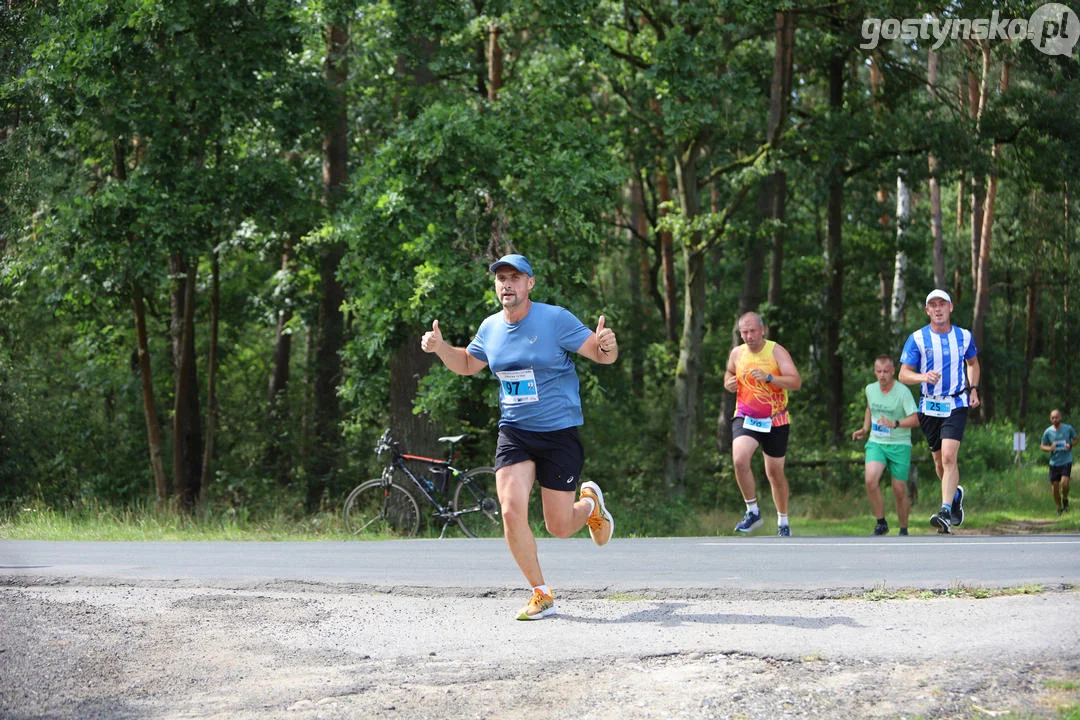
x=1055, y=437
x=538, y=383
x=945, y=352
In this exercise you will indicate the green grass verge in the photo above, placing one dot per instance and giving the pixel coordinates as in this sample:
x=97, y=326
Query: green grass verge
x=997, y=503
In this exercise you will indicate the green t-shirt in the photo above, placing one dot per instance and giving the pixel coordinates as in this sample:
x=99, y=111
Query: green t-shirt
x=896, y=405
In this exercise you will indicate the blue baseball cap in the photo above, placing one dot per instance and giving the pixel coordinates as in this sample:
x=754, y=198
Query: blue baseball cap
x=518, y=262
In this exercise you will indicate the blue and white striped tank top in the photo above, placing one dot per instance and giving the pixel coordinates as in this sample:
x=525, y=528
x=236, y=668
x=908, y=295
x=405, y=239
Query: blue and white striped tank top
x=945, y=352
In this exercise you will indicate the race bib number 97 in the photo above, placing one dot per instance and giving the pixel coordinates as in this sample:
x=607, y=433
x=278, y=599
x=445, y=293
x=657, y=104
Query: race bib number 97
x=518, y=386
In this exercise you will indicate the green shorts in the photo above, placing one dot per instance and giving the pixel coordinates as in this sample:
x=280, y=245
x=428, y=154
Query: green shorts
x=897, y=458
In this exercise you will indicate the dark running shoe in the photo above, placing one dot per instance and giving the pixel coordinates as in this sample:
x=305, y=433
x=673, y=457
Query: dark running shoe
x=882, y=528
x=903, y=531
x=783, y=531
x=941, y=522
x=751, y=521
x=957, y=518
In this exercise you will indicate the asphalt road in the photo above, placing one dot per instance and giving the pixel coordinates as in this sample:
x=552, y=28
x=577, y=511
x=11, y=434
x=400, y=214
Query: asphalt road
x=767, y=564
x=759, y=627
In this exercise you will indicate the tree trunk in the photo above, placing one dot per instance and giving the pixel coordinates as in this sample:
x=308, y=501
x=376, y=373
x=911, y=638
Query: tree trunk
x=495, y=63
x=1030, y=340
x=187, y=435
x=834, y=270
x=667, y=259
x=886, y=271
x=779, y=108
x=416, y=432
x=639, y=274
x=279, y=372
x=277, y=412
x=688, y=372
x=982, y=288
x=899, y=283
x=329, y=340
x=976, y=103
x=153, y=425
x=211, y=379
x=936, y=229
x=330, y=333
x=1065, y=309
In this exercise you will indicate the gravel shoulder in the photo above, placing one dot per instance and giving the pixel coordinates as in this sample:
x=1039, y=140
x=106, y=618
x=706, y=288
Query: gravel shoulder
x=120, y=649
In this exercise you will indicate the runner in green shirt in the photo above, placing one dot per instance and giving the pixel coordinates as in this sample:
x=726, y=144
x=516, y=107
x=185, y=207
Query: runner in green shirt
x=891, y=412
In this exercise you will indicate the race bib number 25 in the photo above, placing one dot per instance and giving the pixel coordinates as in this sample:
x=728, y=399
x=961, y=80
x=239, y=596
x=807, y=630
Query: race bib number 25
x=938, y=406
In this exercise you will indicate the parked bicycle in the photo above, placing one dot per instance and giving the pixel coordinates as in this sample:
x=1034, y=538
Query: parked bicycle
x=387, y=506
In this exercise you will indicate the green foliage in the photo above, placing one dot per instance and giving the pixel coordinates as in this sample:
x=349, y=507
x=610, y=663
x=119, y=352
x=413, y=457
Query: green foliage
x=132, y=130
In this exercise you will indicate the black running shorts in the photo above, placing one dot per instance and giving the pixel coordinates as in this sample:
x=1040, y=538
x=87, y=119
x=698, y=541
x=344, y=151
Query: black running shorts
x=773, y=443
x=558, y=454
x=936, y=428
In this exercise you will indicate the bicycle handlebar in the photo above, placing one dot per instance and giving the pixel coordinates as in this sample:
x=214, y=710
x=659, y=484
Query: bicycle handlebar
x=386, y=443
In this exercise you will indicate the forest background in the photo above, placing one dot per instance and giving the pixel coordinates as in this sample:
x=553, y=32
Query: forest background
x=224, y=227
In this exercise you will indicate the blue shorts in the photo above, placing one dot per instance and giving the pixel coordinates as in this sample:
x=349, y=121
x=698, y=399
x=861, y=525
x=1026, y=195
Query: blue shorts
x=558, y=454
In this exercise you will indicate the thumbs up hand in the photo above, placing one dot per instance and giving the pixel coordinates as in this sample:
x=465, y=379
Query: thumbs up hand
x=432, y=338
x=605, y=341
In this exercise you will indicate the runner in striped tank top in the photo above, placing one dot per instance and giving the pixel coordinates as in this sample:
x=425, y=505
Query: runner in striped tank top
x=942, y=358
x=760, y=372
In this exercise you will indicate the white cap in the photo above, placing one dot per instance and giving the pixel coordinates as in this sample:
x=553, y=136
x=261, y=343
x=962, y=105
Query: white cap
x=938, y=294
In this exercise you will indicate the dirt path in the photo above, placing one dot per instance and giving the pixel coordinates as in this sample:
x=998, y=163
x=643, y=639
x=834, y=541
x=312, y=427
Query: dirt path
x=73, y=649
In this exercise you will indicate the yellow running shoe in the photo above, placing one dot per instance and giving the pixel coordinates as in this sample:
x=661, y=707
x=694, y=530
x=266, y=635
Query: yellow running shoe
x=540, y=606
x=601, y=524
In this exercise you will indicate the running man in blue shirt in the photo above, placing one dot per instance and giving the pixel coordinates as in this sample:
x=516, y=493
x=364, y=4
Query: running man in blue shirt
x=1058, y=440
x=527, y=346
x=937, y=356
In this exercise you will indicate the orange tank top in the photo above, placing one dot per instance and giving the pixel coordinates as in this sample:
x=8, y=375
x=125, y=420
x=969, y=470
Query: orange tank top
x=757, y=398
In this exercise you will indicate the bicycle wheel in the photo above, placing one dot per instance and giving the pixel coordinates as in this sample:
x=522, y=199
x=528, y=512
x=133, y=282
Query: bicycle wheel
x=374, y=508
x=475, y=496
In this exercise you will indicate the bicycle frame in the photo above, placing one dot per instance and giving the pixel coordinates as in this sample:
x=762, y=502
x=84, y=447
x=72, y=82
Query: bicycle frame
x=446, y=513
x=470, y=494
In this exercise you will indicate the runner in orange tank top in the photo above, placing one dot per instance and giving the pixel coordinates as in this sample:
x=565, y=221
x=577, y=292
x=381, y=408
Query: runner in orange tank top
x=760, y=372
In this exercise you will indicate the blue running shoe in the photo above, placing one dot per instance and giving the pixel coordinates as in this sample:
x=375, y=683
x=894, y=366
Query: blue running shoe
x=783, y=531
x=751, y=521
x=957, y=518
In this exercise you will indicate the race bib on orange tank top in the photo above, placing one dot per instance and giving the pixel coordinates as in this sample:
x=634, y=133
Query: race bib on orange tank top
x=757, y=398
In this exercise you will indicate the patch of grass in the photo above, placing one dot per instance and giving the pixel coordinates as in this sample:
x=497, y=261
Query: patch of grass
x=996, y=503
x=624, y=597
x=1063, y=684
x=96, y=523
x=957, y=591
x=825, y=502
